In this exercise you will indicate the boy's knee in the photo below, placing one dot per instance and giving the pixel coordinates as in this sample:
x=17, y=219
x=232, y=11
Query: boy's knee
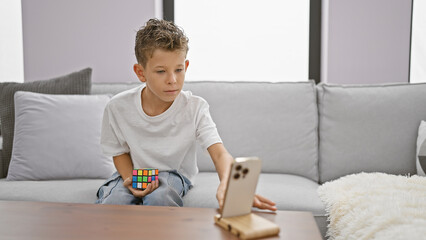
x=117, y=194
x=164, y=196
x=120, y=199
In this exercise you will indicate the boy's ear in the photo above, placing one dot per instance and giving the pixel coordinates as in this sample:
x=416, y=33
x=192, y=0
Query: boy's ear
x=186, y=64
x=140, y=72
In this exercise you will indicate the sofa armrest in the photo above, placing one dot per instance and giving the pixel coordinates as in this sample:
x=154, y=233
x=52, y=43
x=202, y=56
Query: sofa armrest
x=1, y=161
x=1, y=165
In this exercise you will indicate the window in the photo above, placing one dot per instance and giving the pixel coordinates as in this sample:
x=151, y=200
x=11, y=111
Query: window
x=11, y=46
x=246, y=40
x=418, y=43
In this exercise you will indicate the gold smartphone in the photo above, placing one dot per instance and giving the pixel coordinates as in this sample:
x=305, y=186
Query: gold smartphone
x=241, y=187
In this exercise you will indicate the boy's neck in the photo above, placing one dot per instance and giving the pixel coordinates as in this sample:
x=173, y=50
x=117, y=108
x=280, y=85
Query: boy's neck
x=150, y=106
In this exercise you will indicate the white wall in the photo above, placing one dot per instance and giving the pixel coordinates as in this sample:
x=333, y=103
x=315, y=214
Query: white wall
x=365, y=41
x=62, y=36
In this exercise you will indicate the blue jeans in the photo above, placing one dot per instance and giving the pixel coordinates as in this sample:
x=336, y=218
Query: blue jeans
x=170, y=192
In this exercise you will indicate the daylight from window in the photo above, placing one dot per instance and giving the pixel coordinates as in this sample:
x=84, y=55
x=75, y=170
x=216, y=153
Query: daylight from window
x=246, y=40
x=418, y=43
x=11, y=47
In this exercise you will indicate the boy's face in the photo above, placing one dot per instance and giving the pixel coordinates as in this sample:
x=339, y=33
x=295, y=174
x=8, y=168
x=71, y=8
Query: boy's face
x=163, y=74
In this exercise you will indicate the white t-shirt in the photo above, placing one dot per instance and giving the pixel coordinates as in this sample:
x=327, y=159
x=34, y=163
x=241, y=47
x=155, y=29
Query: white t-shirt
x=166, y=141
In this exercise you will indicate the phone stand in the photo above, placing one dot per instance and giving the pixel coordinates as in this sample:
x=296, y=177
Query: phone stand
x=248, y=226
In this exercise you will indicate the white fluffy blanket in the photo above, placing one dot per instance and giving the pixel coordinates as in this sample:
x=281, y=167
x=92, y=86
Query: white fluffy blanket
x=375, y=206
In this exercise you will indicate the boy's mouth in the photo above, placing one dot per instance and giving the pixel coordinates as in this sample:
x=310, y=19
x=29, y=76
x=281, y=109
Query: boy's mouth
x=171, y=91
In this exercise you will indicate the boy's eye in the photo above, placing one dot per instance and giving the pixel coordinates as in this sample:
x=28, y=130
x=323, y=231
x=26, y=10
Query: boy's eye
x=179, y=70
x=161, y=71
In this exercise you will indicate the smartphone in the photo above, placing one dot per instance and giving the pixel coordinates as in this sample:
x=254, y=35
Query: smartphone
x=241, y=186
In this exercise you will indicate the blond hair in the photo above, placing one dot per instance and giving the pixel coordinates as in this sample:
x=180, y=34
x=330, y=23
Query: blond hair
x=159, y=34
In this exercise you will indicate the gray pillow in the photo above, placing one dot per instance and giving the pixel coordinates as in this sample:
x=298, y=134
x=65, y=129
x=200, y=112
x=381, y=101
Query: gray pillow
x=73, y=83
x=58, y=137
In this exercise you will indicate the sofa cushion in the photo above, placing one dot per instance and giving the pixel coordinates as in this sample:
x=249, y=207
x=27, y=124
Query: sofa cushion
x=69, y=191
x=297, y=194
x=276, y=122
x=289, y=192
x=370, y=128
x=74, y=83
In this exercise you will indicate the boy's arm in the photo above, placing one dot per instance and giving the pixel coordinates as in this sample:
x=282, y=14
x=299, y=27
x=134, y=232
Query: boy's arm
x=222, y=161
x=123, y=164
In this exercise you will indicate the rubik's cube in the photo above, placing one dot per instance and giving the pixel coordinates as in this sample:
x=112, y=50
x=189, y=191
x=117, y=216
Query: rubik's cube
x=144, y=176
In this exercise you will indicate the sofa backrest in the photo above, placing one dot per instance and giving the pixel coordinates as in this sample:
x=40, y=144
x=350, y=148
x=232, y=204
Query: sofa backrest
x=112, y=88
x=274, y=121
x=369, y=128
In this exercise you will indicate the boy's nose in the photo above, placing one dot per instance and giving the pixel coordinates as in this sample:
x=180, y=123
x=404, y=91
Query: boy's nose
x=171, y=79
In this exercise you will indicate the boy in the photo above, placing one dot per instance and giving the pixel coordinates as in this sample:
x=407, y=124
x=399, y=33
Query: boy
x=157, y=125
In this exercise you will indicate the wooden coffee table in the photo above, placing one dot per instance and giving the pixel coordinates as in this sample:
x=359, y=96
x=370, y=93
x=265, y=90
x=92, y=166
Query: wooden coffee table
x=41, y=220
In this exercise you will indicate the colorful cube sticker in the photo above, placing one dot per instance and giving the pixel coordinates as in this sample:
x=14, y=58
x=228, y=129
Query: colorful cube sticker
x=143, y=177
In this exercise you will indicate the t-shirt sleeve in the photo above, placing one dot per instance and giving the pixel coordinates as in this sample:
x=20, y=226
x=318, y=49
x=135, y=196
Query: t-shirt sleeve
x=207, y=133
x=112, y=141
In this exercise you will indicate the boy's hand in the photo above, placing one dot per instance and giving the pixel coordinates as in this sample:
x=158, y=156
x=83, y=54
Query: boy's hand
x=258, y=201
x=140, y=193
x=220, y=194
x=263, y=203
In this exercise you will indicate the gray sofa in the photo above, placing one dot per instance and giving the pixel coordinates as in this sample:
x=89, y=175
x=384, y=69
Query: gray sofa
x=306, y=134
